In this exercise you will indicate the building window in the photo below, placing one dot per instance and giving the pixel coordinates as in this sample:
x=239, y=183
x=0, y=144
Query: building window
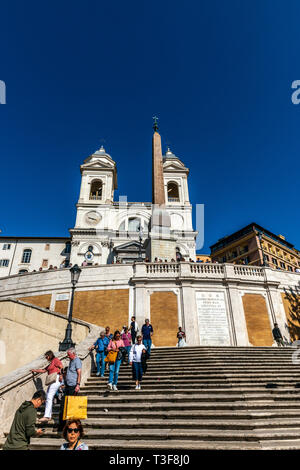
x=224, y=259
x=173, y=192
x=47, y=246
x=96, y=190
x=290, y=268
x=274, y=261
x=6, y=246
x=282, y=265
x=23, y=271
x=26, y=256
x=4, y=263
x=267, y=258
x=45, y=263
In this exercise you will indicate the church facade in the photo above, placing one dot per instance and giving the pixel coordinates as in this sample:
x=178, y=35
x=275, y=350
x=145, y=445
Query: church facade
x=108, y=231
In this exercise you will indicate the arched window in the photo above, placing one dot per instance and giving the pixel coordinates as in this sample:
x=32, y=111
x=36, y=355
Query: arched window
x=23, y=271
x=173, y=192
x=26, y=256
x=122, y=226
x=96, y=190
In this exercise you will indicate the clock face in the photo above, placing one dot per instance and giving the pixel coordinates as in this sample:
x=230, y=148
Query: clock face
x=92, y=218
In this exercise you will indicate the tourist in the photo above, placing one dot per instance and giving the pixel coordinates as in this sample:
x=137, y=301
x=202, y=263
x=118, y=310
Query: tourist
x=108, y=334
x=84, y=263
x=100, y=345
x=71, y=382
x=53, y=382
x=114, y=345
x=73, y=433
x=126, y=337
x=277, y=335
x=147, y=332
x=40, y=269
x=181, y=338
x=134, y=328
x=23, y=426
x=135, y=359
x=50, y=267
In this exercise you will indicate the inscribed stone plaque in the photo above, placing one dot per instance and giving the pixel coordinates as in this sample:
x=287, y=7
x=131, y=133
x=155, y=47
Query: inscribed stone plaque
x=62, y=297
x=212, y=319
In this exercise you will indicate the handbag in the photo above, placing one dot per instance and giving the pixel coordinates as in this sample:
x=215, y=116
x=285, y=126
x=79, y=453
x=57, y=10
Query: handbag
x=51, y=379
x=75, y=407
x=122, y=353
x=111, y=357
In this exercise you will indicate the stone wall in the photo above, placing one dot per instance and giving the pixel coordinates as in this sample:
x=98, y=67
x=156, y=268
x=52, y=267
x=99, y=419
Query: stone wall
x=27, y=332
x=110, y=294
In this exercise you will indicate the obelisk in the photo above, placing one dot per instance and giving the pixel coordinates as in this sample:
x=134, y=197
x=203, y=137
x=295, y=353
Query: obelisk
x=158, y=191
x=161, y=243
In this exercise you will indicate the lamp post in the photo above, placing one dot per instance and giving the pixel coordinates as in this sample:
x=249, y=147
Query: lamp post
x=141, y=233
x=67, y=342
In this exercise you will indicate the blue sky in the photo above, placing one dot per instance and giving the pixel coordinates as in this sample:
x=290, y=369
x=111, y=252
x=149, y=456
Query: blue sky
x=218, y=73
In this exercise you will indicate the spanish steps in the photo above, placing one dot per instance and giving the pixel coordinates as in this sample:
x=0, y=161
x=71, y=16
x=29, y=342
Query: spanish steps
x=195, y=398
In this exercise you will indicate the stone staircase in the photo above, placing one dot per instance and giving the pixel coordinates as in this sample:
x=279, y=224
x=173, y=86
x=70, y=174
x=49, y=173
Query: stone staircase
x=196, y=398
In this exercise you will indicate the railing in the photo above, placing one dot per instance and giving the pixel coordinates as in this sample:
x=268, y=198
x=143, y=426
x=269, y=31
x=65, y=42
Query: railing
x=207, y=268
x=162, y=268
x=173, y=199
x=96, y=198
x=248, y=271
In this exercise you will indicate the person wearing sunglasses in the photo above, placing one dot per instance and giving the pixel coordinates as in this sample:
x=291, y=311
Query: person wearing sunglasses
x=73, y=433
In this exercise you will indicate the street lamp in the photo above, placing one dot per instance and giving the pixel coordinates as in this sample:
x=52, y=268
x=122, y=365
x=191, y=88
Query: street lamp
x=141, y=233
x=67, y=342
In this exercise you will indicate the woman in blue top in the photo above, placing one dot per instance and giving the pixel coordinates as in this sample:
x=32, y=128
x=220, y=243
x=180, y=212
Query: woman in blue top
x=100, y=345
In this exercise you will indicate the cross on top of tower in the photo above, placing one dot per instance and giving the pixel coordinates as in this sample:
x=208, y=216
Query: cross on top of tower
x=155, y=125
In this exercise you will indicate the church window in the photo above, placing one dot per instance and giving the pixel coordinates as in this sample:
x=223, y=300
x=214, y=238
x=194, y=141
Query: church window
x=122, y=227
x=173, y=192
x=6, y=246
x=26, y=256
x=96, y=190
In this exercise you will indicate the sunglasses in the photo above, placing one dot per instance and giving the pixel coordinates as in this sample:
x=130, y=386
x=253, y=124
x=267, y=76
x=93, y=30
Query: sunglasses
x=70, y=430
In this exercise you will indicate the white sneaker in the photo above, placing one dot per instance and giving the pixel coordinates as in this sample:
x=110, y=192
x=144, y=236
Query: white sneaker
x=110, y=386
x=115, y=388
x=139, y=387
x=136, y=387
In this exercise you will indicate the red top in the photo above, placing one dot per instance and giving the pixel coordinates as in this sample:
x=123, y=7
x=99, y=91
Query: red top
x=54, y=366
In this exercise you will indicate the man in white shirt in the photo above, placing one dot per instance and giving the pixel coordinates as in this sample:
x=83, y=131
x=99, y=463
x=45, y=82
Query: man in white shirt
x=135, y=359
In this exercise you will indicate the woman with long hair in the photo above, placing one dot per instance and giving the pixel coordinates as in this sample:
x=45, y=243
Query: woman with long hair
x=114, y=345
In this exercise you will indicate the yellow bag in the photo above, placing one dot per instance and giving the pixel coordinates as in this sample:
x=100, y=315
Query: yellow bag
x=75, y=407
x=111, y=357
